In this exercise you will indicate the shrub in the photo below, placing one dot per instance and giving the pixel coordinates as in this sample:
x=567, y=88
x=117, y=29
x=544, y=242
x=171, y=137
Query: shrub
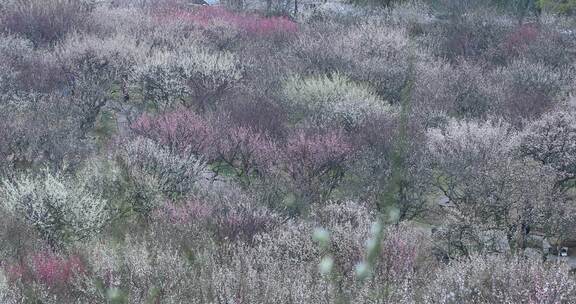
x=245, y=151
x=551, y=141
x=154, y=173
x=432, y=94
x=94, y=68
x=52, y=270
x=14, y=52
x=315, y=163
x=493, y=193
x=374, y=142
x=45, y=130
x=16, y=236
x=45, y=276
x=160, y=81
x=335, y=97
x=263, y=116
x=61, y=208
x=182, y=131
x=532, y=88
x=26, y=70
x=547, y=48
x=471, y=96
x=57, y=98
x=226, y=221
x=498, y=279
x=4, y=289
x=128, y=20
x=402, y=267
x=367, y=52
x=520, y=91
x=385, y=3
x=43, y=22
x=143, y=271
x=348, y=224
x=194, y=77
x=317, y=51
x=250, y=24
x=470, y=32
x=379, y=57
x=463, y=90
x=289, y=252
x=559, y=6
x=518, y=41
x=228, y=147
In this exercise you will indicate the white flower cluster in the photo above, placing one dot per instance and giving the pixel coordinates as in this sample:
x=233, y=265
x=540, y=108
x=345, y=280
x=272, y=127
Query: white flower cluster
x=59, y=207
x=158, y=173
x=334, y=97
x=169, y=77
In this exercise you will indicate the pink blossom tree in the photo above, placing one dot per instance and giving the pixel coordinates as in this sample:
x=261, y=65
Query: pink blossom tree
x=225, y=144
x=181, y=131
x=246, y=151
x=315, y=162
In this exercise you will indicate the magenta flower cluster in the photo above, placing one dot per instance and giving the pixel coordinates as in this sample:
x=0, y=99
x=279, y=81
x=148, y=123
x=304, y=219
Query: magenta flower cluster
x=304, y=154
x=47, y=268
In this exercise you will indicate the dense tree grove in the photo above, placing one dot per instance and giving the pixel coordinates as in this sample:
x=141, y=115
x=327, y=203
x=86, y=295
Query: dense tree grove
x=287, y=151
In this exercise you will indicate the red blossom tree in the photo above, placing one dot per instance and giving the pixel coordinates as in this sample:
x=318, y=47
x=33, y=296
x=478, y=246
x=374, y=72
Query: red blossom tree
x=53, y=270
x=250, y=25
x=47, y=268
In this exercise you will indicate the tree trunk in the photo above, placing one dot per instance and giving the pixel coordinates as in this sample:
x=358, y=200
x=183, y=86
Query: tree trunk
x=295, y=8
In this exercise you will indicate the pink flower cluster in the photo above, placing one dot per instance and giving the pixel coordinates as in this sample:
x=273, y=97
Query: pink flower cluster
x=181, y=130
x=17, y=272
x=520, y=38
x=227, y=223
x=245, y=149
x=250, y=24
x=399, y=256
x=216, y=140
x=193, y=211
x=305, y=155
x=315, y=153
x=243, y=224
x=54, y=270
x=48, y=269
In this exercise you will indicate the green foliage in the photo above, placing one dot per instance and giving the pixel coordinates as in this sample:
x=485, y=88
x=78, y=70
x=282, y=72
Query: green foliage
x=567, y=7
